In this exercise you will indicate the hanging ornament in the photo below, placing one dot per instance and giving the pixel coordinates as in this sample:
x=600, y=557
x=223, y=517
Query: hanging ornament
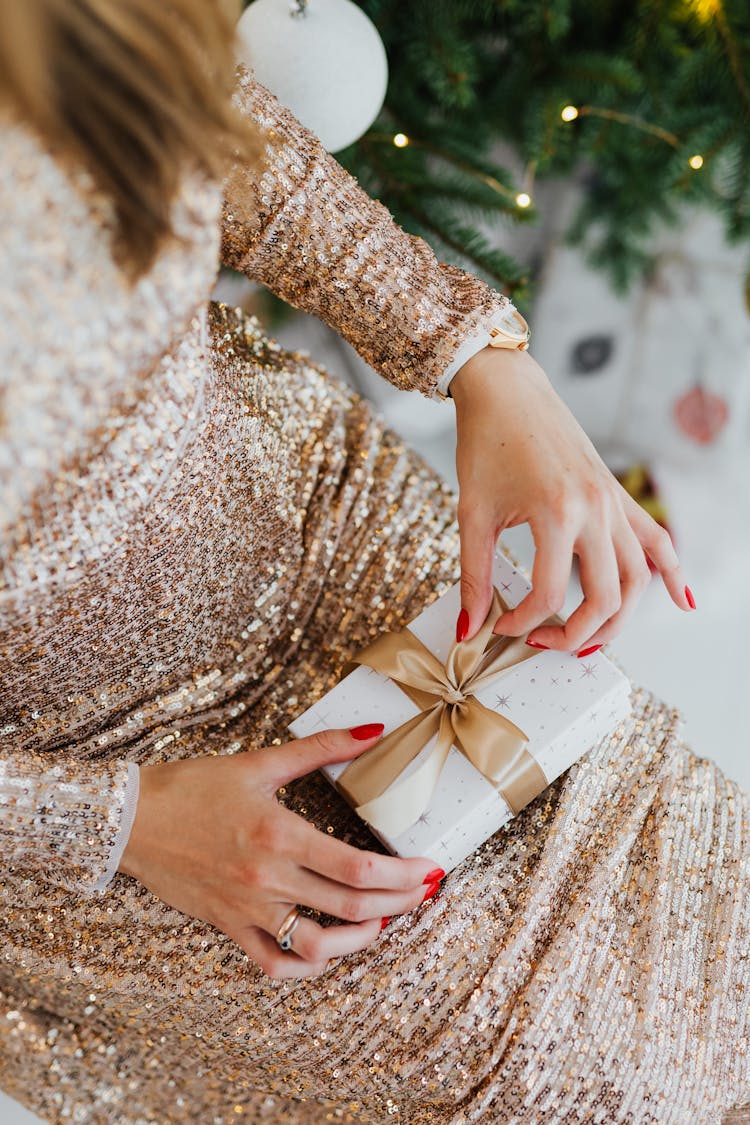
x=700, y=414
x=638, y=482
x=323, y=59
x=590, y=354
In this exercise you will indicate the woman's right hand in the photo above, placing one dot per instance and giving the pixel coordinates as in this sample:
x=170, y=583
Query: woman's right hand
x=211, y=839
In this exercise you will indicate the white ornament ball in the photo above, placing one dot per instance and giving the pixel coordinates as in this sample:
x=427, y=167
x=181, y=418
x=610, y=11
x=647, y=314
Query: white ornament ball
x=328, y=66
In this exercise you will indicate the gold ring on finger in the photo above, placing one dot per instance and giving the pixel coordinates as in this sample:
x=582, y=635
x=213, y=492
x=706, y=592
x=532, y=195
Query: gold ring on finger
x=286, y=929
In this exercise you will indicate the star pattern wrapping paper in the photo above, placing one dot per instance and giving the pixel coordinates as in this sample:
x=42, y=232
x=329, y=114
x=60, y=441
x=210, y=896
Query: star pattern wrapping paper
x=565, y=706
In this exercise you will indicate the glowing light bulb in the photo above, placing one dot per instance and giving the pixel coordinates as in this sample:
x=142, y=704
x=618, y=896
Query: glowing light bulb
x=569, y=113
x=696, y=161
x=706, y=9
x=523, y=200
x=400, y=140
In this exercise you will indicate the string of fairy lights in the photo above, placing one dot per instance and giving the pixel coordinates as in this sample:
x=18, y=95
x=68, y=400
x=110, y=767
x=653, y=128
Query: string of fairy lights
x=568, y=113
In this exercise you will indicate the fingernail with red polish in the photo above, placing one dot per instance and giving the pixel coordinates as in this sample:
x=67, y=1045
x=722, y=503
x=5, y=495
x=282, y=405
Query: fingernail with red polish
x=367, y=730
x=690, y=598
x=535, y=644
x=462, y=625
x=588, y=651
x=431, y=890
x=384, y=922
x=434, y=876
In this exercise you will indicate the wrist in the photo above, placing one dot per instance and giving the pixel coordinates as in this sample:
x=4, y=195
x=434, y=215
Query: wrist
x=485, y=369
x=130, y=860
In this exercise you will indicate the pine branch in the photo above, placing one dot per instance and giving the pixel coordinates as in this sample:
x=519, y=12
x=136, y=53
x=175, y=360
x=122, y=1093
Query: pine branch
x=654, y=83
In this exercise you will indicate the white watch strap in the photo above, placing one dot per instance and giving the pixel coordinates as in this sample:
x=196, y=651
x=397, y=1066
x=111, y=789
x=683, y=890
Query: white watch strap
x=469, y=347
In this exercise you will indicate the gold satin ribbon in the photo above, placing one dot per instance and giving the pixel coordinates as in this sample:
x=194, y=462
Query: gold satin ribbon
x=449, y=709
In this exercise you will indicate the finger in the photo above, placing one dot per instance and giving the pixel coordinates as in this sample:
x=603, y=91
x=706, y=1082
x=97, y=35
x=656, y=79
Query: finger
x=600, y=583
x=635, y=576
x=281, y=764
x=478, y=534
x=317, y=944
x=263, y=950
x=549, y=577
x=351, y=904
x=355, y=867
x=657, y=543
x=283, y=876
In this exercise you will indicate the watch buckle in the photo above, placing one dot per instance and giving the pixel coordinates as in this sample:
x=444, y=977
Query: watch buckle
x=499, y=340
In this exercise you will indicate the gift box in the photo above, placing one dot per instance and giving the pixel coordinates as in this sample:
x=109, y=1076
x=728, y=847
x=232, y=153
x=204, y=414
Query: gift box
x=473, y=731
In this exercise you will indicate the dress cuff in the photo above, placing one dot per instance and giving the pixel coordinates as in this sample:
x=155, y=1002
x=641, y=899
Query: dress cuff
x=130, y=802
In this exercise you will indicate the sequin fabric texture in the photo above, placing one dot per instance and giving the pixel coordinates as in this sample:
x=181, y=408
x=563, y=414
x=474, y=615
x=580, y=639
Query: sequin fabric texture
x=198, y=529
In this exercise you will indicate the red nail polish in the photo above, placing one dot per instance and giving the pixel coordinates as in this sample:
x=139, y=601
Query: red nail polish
x=434, y=876
x=431, y=890
x=367, y=730
x=462, y=625
x=588, y=651
x=535, y=644
x=690, y=598
x=384, y=922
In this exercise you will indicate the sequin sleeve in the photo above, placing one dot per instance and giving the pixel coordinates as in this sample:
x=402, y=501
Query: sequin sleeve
x=70, y=820
x=307, y=230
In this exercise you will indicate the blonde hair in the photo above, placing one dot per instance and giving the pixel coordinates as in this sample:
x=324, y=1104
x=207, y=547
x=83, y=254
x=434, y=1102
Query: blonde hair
x=137, y=90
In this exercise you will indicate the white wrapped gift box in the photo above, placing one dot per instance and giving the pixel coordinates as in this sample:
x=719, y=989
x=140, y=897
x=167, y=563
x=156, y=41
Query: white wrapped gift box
x=566, y=705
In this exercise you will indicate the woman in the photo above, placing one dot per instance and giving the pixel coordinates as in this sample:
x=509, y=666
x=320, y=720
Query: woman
x=198, y=530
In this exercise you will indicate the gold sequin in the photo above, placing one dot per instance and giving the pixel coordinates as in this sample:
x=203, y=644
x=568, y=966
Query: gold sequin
x=201, y=527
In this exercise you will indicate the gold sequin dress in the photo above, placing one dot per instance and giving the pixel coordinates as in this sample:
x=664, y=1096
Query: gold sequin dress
x=198, y=528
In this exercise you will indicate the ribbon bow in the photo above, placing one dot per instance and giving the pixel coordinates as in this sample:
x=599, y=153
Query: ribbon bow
x=449, y=709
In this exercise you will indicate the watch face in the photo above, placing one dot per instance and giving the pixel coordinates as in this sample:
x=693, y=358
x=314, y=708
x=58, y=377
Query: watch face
x=512, y=324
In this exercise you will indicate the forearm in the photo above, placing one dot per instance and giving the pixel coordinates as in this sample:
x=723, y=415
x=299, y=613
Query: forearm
x=308, y=231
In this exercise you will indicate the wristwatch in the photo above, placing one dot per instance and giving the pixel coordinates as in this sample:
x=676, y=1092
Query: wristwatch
x=508, y=329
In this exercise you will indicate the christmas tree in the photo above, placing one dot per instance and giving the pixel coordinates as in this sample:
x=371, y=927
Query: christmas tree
x=652, y=99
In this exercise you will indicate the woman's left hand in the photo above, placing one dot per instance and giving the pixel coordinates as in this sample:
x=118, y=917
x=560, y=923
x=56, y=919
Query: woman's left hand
x=522, y=456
